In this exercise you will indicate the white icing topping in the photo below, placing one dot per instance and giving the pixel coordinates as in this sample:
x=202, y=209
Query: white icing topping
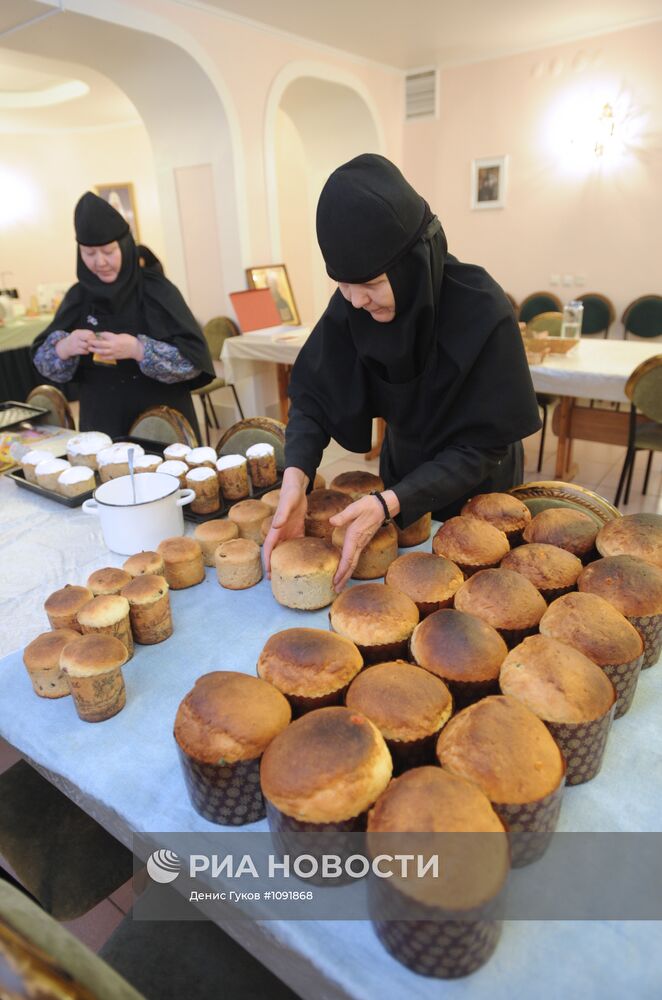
x=230, y=462
x=259, y=450
x=35, y=457
x=89, y=443
x=146, y=461
x=173, y=468
x=198, y=455
x=50, y=465
x=78, y=474
x=204, y=473
x=117, y=453
x=177, y=450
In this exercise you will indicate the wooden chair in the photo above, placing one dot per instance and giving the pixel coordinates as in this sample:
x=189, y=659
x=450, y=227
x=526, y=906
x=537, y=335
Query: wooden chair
x=538, y=302
x=53, y=400
x=551, y=322
x=254, y=430
x=165, y=425
x=643, y=317
x=216, y=332
x=644, y=389
x=599, y=314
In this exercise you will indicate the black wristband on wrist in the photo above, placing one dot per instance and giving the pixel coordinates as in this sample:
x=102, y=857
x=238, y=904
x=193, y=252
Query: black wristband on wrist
x=387, y=513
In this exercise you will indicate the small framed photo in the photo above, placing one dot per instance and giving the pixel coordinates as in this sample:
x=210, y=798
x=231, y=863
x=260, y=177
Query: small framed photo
x=122, y=198
x=488, y=182
x=274, y=277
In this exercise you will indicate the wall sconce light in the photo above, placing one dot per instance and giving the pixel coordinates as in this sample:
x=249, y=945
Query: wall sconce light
x=605, y=128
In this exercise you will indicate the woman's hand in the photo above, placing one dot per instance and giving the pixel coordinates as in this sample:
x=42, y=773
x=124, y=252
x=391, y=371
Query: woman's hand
x=118, y=347
x=361, y=519
x=290, y=514
x=78, y=342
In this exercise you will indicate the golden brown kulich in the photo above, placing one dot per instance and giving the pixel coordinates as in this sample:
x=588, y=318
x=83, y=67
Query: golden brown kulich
x=150, y=563
x=471, y=543
x=594, y=626
x=93, y=667
x=551, y=570
x=329, y=766
x=108, y=614
x=405, y=702
x=309, y=663
x=183, y=562
x=632, y=585
x=357, y=484
x=504, y=599
x=302, y=572
x=63, y=605
x=431, y=581
x=415, y=533
x=238, y=564
x=149, y=609
x=321, y=506
x=211, y=534
x=248, y=515
x=42, y=662
x=568, y=529
x=379, y=619
x=108, y=580
x=632, y=535
x=376, y=556
x=501, y=510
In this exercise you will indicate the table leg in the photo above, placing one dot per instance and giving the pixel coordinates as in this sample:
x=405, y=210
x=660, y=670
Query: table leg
x=377, y=446
x=564, y=469
x=283, y=375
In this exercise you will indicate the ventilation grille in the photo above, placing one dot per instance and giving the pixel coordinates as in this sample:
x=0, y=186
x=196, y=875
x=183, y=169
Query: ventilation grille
x=421, y=94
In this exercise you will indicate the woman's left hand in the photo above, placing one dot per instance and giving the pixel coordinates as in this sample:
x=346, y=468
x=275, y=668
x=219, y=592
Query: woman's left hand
x=118, y=347
x=361, y=519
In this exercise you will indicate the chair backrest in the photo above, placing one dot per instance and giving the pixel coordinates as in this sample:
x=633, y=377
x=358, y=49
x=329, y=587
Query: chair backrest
x=254, y=430
x=643, y=317
x=599, y=313
x=216, y=331
x=549, y=321
x=539, y=302
x=644, y=388
x=163, y=423
x=53, y=400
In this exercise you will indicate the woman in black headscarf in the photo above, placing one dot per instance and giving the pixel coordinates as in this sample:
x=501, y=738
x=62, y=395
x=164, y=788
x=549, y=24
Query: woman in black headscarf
x=416, y=337
x=123, y=332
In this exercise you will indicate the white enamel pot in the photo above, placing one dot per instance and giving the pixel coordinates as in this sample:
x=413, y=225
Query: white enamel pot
x=130, y=527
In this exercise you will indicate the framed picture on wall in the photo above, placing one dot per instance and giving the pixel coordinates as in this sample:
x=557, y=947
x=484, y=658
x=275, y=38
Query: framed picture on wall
x=488, y=182
x=274, y=277
x=121, y=197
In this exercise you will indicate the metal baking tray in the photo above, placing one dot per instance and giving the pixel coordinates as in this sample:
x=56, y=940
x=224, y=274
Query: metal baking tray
x=12, y=413
x=19, y=478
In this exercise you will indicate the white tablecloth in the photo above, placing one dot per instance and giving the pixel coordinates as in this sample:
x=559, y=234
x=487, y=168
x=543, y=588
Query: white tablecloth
x=594, y=369
x=125, y=772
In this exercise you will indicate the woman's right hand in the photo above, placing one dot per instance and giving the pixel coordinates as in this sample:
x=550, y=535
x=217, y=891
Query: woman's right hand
x=290, y=514
x=78, y=342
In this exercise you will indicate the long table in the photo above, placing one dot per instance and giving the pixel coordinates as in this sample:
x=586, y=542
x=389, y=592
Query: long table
x=126, y=774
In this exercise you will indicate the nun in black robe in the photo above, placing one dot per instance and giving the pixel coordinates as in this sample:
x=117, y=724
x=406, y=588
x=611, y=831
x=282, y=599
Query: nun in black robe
x=448, y=373
x=140, y=302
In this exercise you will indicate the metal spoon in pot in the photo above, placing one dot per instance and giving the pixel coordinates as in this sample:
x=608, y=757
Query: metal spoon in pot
x=129, y=457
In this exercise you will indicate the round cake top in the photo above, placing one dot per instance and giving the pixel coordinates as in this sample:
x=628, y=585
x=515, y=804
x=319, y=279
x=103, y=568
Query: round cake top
x=569, y=529
x=633, y=535
x=196, y=456
x=504, y=748
x=101, y=612
x=67, y=600
x=198, y=474
x=173, y=467
x=383, y=540
x=373, y=614
x=107, y=580
x=179, y=548
x=271, y=499
x=303, y=556
x=144, y=562
x=594, y=626
x=44, y=651
x=249, y=511
x=424, y=577
x=323, y=504
x=328, y=766
x=502, y=510
x=358, y=483
x=308, y=662
x=470, y=541
x=76, y=474
x=502, y=598
x=238, y=551
x=88, y=443
x=91, y=655
x=177, y=450
x=36, y=456
x=631, y=584
x=51, y=465
x=546, y=566
x=458, y=647
x=404, y=702
x=218, y=530
x=230, y=462
x=556, y=682
x=147, y=462
x=145, y=589
x=228, y=717
x=260, y=450
x=118, y=453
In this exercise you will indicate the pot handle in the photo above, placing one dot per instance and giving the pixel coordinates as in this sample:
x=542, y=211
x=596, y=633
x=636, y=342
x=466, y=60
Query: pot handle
x=90, y=507
x=185, y=496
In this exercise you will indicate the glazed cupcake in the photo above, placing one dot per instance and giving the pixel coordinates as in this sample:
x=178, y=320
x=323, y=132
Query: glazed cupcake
x=594, y=627
x=92, y=665
x=176, y=452
x=82, y=449
x=31, y=460
x=262, y=469
x=42, y=662
x=573, y=697
x=211, y=534
x=505, y=600
x=147, y=463
x=197, y=457
x=377, y=555
x=322, y=505
x=634, y=588
x=501, y=510
x=409, y=706
x=149, y=609
x=415, y=533
x=114, y=460
x=568, y=529
x=238, y=564
x=204, y=483
x=63, y=605
x=232, y=472
x=248, y=515
x=173, y=467
x=222, y=728
x=75, y=481
x=357, y=484
x=469, y=542
x=108, y=580
x=506, y=750
x=551, y=570
x=324, y=772
x=463, y=651
x=182, y=560
x=302, y=572
x=49, y=471
x=149, y=563
x=633, y=535
x=449, y=928
x=311, y=667
x=108, y=615
x=379, y=619
x=431, y=581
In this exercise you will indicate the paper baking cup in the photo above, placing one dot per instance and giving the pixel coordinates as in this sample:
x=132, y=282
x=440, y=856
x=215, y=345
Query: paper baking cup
x=583, y=745
x=412, y=753
x=470, y=570
x=515, y=537
x=445, y=950
x=624, y=677
x=228, y=794
x=467, y=692
x=550, y=594
x=382, y=652
x=332, y=839
x=279, y=822
x=530, y=825
x=513, y=636
x=649, y=628
x=426, y=608
x=301, y=704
